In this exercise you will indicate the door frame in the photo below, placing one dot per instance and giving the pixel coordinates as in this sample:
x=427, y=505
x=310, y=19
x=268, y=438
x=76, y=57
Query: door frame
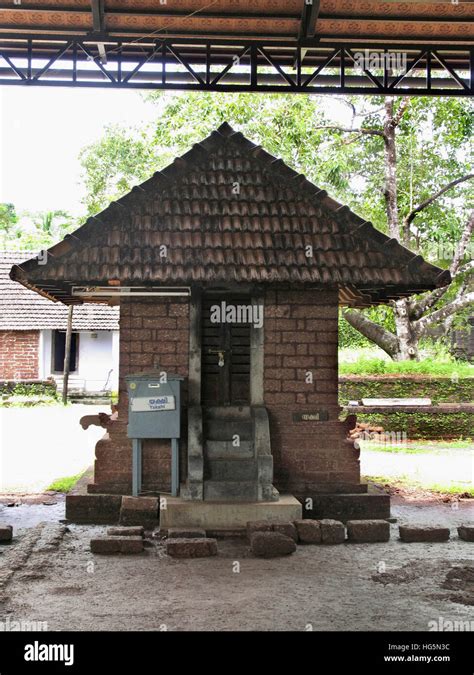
x=195, y=343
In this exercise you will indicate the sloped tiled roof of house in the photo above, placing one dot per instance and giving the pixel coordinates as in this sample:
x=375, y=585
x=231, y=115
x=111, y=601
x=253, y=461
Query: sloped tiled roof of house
x=22, y=309
x=228, y=212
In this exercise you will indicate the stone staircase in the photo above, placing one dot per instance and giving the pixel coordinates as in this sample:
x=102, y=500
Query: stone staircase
x=238, y=465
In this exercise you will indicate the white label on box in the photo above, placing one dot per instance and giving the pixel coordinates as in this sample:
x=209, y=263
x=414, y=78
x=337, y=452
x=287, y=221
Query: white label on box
x=153, y=404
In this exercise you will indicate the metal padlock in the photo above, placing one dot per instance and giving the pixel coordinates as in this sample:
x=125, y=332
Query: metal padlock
x=220, y=362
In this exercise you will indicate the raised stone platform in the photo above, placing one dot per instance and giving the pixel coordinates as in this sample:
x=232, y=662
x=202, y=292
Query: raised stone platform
x=371, y=505
x=227, y=515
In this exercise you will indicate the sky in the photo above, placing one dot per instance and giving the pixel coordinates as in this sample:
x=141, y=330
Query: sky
x=42, y=131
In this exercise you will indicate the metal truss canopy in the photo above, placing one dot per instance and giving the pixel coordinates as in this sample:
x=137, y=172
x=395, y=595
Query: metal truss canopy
x=307, y=66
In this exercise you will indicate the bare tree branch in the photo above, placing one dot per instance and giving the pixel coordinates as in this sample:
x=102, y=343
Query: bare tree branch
x=373, y=331
x=402, y=108
x=417, y=309
x=371, y=132
x=411, y=216
x=463, y=244
x=442, y=314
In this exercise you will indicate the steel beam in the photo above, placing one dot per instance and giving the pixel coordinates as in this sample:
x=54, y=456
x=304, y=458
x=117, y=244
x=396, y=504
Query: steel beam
x=308, y=66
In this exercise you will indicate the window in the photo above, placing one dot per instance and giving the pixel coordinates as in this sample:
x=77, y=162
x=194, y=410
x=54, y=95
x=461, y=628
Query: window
x=59, y=350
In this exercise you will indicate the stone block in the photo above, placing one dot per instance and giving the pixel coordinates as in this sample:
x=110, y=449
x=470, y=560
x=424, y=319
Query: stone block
x=288, y=529
x=258, y=526
x=368, y=531
x=348, y=506
x=466, y=532
x=409, y=533
x=186, y=533
x=99, y=509
x=332, y=531
x=139, y=511
x=271, y=544
x=191, y=548
x=309, y=531
x=115, y=545
x=136, y=531
x=6, y=532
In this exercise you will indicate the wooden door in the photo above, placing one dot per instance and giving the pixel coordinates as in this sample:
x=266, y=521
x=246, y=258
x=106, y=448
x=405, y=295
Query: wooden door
x=225, y=349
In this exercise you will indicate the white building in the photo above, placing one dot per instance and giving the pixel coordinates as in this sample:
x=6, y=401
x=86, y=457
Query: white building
x=33, y=332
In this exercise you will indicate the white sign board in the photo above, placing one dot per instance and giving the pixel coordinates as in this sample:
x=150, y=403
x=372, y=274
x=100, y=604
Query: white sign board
x=153, y=404
x=395, y=401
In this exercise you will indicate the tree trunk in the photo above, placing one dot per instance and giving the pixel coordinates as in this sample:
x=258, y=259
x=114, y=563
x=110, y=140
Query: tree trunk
x=391, y=171
x=407, y=339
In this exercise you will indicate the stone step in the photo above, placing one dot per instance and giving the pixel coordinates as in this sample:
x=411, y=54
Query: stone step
x=234, y=469
x=230, y=491
x=226, y=450
x=230, y=412
x=225, y=428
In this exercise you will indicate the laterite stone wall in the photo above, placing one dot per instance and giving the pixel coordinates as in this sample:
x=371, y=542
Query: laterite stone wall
x=154, y=333
x=301, y=339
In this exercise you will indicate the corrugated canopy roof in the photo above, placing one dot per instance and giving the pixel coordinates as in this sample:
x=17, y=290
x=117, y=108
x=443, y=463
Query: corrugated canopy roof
x=226, y=213
x=22, y=309
x=388, y=20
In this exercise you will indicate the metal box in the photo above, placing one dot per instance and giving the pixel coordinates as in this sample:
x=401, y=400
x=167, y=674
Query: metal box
x=154, y=408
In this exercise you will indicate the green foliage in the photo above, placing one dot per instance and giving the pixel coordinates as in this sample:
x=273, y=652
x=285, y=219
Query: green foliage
x=64, y=484
x=27, y=395
x=429, y=366
x=423, y=424
x=440, y=389
x=459, y=489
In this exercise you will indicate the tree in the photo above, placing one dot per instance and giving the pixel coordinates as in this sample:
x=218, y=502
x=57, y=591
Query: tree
x=52, y=225
x=8, y=221
x=414, y=316
x=402, y=165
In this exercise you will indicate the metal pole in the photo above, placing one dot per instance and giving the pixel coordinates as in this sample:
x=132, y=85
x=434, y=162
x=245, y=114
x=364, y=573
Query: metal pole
x=174, y=467
x=67, y=353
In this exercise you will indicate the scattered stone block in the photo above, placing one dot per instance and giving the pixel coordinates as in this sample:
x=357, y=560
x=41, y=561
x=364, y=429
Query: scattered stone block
x=332, y=531
x=114, y=545
x=136, y=531
x=139, y=511
x=271, y=544
x=411, y=534
x=466, y=532
x=309, y=531
x=258, y=526
x=6, y=532
x=288, y=529
x=191, y=548
x=186, y=533
x=368, y=531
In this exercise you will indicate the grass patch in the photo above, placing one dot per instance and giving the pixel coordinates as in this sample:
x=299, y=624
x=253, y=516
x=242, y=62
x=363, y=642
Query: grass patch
x=429, y=447
x=465, y=489
x=64, y=484
x=429, y=366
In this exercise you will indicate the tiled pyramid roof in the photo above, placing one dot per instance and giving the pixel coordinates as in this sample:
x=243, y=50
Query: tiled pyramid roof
x=22, y=309
x=227, y=212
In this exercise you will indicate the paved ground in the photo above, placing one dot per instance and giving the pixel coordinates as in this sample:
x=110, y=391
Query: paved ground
x=39, y=445
x=453, y=466
x=49, y=575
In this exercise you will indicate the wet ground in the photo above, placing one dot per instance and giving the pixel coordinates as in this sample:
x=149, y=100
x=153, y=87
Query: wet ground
x=49, y=575
x=33, y=450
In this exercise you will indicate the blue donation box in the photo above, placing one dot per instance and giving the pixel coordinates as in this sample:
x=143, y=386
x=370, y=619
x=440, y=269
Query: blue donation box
x=154, y=411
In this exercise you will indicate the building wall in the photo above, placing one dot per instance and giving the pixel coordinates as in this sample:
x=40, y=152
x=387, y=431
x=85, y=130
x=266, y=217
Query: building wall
x=154, y=333
x=19, y=354
x=301, y=339
x=98, y=361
